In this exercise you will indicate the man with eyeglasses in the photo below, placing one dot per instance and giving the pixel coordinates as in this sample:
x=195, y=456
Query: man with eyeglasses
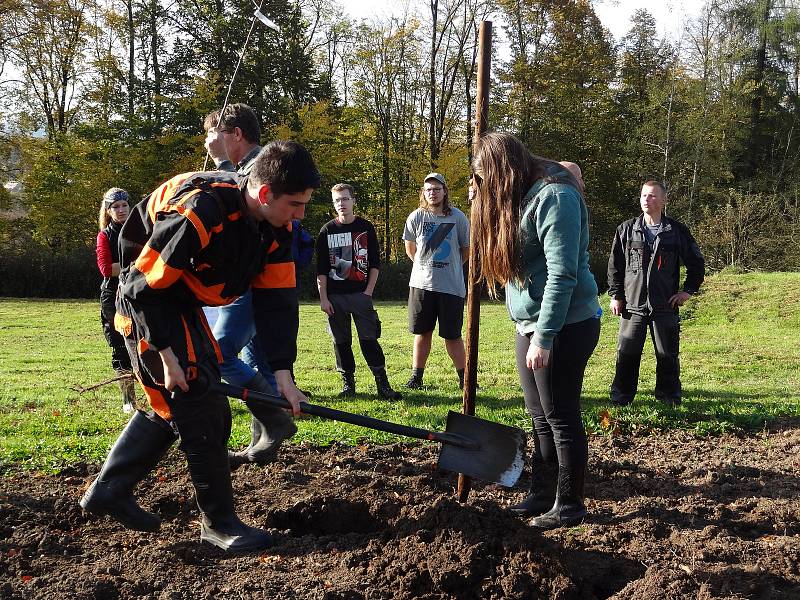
x=436, y=237
x=348, y=263
x=232, y=143
x=232, y=139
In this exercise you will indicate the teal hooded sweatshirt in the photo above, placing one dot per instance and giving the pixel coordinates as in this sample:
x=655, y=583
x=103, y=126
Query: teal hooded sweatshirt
x=557, y=287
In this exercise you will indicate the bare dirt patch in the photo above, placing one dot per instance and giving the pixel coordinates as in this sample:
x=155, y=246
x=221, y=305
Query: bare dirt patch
x=671, y=516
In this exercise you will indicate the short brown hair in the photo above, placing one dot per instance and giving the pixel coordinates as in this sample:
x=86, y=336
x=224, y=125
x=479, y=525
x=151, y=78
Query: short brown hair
x=286, y=166
x=341, y=187
x=236, y=115
x=658, y=184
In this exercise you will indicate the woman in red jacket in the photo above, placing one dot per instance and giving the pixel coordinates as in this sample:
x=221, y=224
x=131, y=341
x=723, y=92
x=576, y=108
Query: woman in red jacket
x=113, y=213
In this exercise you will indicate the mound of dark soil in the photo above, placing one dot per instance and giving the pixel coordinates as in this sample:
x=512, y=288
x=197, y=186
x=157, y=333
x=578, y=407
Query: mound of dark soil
x=671, y=516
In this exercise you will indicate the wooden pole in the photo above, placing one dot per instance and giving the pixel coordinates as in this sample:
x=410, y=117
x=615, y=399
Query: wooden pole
x=474, y=289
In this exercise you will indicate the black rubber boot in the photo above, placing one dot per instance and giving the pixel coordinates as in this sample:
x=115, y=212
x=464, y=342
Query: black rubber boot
x=568, y=509
x=348, y=385
x=127, y=391
x=269, y=427
x=135, y=453
x=543, y=490
x=384, y=388
x=219, y=525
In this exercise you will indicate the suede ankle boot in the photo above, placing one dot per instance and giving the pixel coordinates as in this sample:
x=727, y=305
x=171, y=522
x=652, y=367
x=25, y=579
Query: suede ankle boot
x=542, y=492
x=568, y=509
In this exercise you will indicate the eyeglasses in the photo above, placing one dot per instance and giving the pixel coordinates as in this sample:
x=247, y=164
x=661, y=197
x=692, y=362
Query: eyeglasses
x=433, y=190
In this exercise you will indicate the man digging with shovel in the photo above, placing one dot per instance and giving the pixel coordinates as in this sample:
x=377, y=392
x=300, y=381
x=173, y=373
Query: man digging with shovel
x=202, y=239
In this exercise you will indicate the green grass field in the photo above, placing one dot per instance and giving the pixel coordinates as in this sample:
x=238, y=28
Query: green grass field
x=740, y=369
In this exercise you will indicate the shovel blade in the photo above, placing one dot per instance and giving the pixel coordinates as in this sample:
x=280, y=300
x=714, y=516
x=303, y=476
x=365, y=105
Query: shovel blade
x=499, y=457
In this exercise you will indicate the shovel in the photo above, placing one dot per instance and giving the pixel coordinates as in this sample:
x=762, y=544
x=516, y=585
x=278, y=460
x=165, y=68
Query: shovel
x=476, y=447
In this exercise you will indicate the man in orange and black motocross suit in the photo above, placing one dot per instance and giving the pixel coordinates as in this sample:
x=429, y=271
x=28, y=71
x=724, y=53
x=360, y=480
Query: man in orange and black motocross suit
x=203, y=239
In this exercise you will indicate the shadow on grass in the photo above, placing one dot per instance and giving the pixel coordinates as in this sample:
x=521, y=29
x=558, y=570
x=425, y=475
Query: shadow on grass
x=702, y=411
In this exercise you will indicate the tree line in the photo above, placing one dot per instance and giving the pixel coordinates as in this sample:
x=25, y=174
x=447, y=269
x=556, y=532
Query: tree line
x=101, y=93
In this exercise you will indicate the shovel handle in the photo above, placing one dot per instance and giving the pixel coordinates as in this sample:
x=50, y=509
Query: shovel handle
x=245, y=394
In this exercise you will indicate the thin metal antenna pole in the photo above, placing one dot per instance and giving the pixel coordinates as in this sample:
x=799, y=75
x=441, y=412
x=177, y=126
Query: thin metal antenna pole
x=233, y=78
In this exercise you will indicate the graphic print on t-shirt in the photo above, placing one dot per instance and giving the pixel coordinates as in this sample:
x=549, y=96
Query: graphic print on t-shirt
x=348, y=253
x=438, y=244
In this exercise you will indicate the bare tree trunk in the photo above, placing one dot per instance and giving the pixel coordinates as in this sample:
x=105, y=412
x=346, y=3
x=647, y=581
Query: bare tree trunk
x=757, y=101
x=704, y=46
x=387, y=191
x=432, y=108
x=131, y=56
x=154, y=48
x=669, y=130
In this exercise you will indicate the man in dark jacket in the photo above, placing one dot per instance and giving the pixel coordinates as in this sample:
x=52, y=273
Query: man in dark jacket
x=643, y=279
x=202, y=239
x=232, y=142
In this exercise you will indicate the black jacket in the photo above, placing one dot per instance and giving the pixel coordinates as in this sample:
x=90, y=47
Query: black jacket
x=111, y=232
x=193, y=244
x=646, y=280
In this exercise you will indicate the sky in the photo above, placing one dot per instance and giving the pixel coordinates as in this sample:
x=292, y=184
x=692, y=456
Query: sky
x=670, y=15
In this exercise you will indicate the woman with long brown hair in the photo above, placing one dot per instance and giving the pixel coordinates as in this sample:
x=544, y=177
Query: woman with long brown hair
x=533, y=237
x=114, y=209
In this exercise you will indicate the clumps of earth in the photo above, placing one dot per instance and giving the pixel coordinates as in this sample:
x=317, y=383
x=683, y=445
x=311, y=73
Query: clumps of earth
x=671, y=516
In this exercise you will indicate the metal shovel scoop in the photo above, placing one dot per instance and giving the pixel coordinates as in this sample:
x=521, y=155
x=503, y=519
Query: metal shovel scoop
x=473, y=446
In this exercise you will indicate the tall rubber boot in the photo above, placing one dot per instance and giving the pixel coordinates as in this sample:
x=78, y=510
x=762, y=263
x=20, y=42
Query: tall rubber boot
x=269, y=427
x=135, y=453
x=384, y=388
x=542, y=491
x=348, y=385
x=219, y=524
x=568, y=509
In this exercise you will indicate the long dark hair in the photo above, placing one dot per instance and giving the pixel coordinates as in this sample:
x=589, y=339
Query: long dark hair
x=504, y=172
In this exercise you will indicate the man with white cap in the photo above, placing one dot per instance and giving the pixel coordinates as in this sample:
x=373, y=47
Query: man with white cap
x=436, y=237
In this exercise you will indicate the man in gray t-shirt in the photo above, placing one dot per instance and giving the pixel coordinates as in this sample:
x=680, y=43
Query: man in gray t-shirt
x=436, y=237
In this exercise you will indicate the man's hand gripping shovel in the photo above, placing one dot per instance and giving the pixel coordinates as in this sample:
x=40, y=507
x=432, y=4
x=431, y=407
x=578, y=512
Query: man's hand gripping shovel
x=473, y=446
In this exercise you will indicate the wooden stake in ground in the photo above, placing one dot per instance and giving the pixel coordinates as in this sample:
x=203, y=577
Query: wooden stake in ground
x=473, y=288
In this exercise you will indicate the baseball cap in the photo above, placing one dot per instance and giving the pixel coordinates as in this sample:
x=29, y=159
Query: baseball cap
x=114, y=195
x=437, y=176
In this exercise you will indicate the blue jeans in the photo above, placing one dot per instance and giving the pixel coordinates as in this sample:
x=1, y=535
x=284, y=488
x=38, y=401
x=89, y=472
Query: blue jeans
x=235, y=331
